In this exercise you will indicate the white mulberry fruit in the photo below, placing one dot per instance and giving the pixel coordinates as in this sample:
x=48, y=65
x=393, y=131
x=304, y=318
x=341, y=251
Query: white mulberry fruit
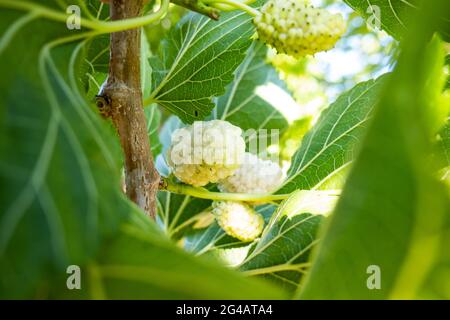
x=297, y=28
x=238, y=220
x=255, y=175
x=206, y=152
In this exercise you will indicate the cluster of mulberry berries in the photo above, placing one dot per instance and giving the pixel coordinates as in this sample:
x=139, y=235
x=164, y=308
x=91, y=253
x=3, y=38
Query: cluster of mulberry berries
x=206, y=152
x=214, y=152
x=238, y=220
x=255, y=175
x=297, y=28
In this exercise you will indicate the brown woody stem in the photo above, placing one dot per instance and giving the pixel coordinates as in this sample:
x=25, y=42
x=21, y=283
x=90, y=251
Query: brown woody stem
x=123, y=96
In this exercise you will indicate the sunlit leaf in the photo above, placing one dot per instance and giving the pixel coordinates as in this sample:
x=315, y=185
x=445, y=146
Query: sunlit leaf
x=330, y=146
x=242, y=104
x=197, y=61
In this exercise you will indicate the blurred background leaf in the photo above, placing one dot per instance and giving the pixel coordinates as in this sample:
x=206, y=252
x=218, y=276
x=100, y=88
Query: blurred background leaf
x=393, y=212
x=60, y=173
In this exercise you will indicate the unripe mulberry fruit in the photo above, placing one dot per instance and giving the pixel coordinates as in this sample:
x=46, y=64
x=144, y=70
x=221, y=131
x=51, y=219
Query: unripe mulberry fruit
x=238, y=220
x=255, y=175
x=297, y=28
x=206, y=152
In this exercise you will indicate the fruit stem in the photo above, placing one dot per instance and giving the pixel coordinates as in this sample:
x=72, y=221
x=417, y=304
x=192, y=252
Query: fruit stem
x=202, y=193
x=234, y=5
x=101, y=26
x=200, y=7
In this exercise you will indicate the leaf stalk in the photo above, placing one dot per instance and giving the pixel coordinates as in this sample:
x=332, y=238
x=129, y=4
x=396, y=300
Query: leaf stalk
x=100, y=26
x=228, y=5
x=202, y=193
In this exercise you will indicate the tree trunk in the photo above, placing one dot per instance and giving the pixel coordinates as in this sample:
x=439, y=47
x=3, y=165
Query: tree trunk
x=123, y=96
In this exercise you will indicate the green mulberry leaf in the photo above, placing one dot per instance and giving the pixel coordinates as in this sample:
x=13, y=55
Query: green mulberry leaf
x=242, y=105
x=329, y=147
x=197, y=61
x=393, y=15
x=392, y=221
